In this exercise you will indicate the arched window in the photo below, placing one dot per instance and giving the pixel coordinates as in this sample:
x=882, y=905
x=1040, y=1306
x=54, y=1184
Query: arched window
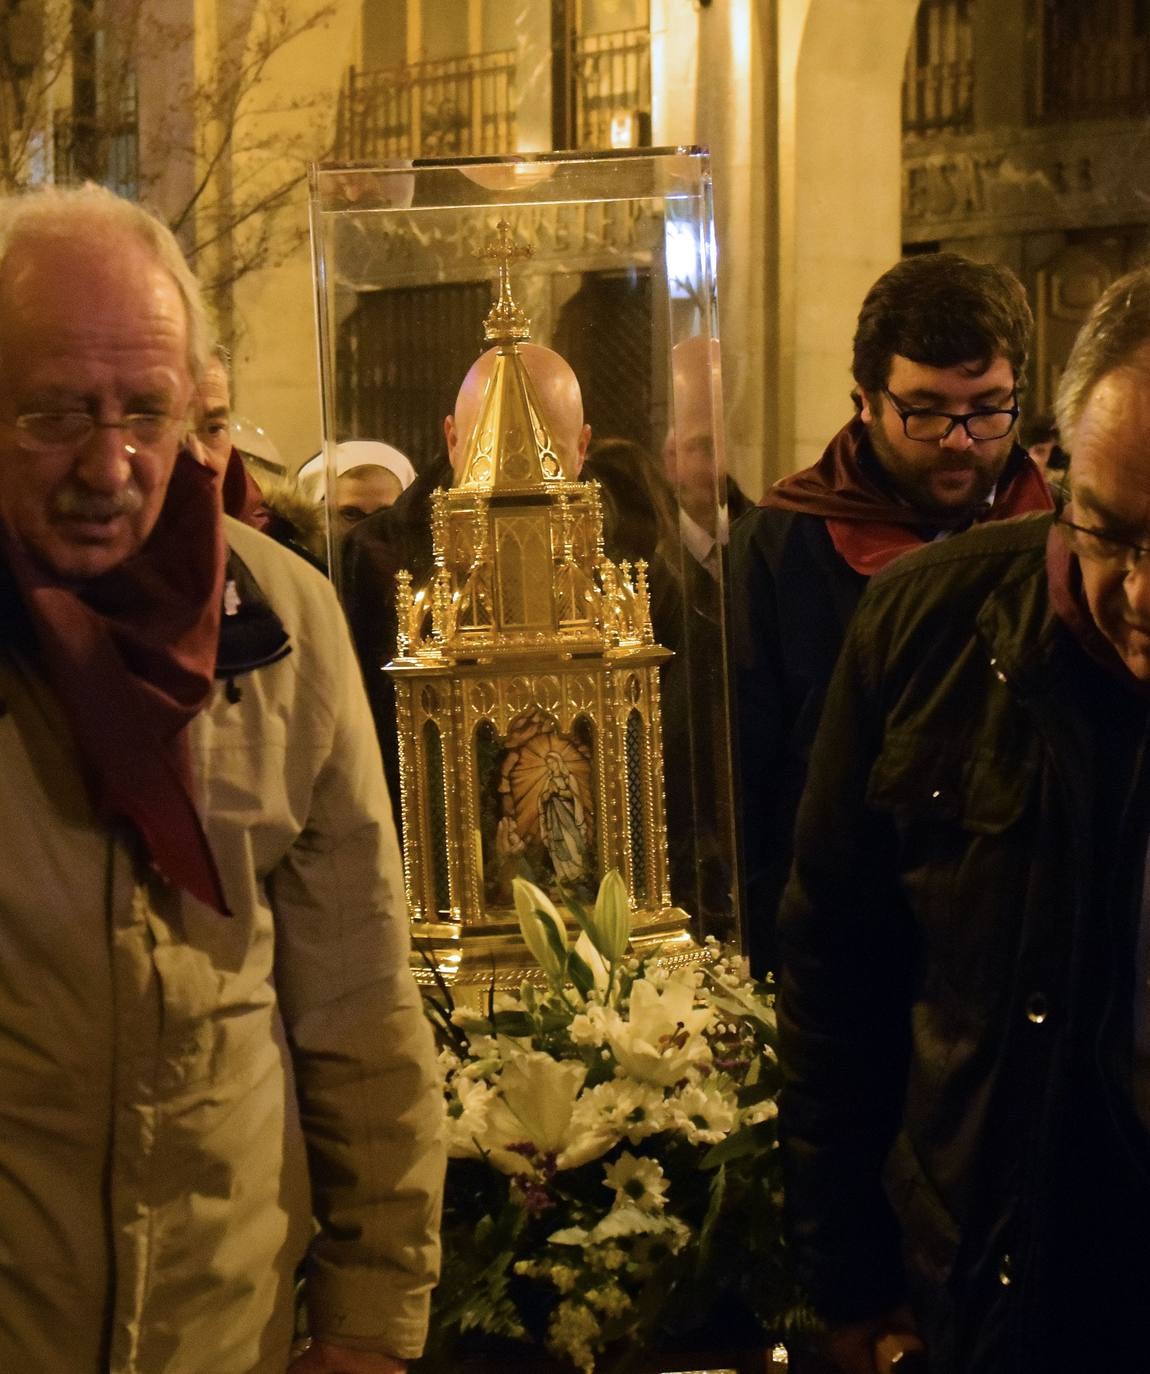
x=636, y=747
x=938, y=87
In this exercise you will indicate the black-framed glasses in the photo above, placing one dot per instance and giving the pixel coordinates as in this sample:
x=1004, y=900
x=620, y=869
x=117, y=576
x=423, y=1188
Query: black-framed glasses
x=1100, y=547
x=926, y=426
x=48, y=431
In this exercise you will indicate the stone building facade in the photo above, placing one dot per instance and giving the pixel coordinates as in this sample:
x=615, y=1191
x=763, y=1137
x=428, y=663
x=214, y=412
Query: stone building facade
x=1027, y=143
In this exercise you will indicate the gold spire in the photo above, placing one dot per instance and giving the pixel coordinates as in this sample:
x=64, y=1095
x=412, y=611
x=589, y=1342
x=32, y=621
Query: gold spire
x=505, y=322
x=512, y=445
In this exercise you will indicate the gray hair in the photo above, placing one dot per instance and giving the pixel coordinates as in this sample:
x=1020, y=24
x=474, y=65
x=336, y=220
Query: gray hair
x=1117, y=327
x=56, y=211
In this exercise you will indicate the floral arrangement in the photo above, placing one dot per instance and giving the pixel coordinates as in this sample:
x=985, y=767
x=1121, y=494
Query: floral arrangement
x=613, y=1179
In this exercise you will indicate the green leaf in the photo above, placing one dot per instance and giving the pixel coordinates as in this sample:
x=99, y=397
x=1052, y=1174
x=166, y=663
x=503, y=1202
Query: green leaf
x=556, y=936
x=439, y=1012
x=580, y=974
x=758, y=1139
x=516, y=1024
x=751, y=1093
x=741, y=1003
x=582, y=917
x=717, y=1194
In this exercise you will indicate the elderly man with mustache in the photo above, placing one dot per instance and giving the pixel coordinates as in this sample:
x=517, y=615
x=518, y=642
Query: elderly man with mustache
x=213, y=1062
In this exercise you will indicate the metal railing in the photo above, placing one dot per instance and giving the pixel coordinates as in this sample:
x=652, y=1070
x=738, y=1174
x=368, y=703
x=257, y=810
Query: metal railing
x=104, y=148
x=612, y=76
x=938, y=84
x=457, y=106
x=1095, y=60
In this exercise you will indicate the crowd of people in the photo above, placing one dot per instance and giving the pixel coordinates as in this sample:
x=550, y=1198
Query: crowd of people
x=215, y=1076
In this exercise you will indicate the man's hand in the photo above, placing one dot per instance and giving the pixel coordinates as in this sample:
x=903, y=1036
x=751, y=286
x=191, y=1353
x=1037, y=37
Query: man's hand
x=870, y=1347
x=321, y=1358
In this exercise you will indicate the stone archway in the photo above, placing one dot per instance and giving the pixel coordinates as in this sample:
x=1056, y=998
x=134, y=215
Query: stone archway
x=840, y=66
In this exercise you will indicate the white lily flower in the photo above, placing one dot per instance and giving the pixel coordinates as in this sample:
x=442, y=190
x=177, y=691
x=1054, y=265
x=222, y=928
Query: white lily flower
x=662, y=1038
x=594, y=961
x=533, y=907
x=612, y=917
x=533, y=1106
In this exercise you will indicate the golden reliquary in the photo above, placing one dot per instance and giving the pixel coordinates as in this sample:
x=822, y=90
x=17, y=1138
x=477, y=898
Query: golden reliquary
x=527, y=694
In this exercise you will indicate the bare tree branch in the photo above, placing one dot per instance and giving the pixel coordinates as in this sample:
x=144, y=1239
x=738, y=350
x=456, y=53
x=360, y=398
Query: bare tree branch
x=242, y=177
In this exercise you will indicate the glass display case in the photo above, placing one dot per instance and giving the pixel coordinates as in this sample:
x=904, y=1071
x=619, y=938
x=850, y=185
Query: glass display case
x=528, y=346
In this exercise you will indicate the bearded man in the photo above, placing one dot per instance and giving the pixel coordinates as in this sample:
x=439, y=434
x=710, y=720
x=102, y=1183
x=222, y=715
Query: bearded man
x=940, y=357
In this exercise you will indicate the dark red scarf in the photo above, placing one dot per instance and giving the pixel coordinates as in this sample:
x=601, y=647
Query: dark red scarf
x=130, y=656
x=868, y=524
x=242, y=497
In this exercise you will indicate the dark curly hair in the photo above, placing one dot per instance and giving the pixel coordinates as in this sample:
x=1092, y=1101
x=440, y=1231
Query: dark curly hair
x=941, y=309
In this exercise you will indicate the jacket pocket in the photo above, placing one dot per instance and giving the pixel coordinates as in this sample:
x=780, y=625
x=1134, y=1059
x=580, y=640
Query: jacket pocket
x=964, y=826
x=930, y=1235
x=923, y=782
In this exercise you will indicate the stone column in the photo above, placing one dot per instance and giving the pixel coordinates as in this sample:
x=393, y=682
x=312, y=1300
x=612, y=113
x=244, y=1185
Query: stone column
x=735, y=117
x=840, y=66
x=712, y=77
x=532, y=76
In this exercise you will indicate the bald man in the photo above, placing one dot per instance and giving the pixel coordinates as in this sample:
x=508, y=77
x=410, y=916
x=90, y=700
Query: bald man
x=559, y=395
x=400, y=536
x=693, y=454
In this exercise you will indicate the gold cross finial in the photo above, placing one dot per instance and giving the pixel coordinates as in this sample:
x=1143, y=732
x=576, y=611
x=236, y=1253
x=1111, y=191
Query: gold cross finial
x=505, y=322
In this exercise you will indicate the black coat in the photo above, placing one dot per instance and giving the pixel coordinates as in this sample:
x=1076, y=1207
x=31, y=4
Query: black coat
x=957, y=971
x=373, y=552
x=792, y=597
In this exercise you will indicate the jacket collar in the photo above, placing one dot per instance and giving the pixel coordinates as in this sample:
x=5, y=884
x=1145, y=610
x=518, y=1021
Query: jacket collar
x=1031, y=640
x=1025, y=641
x=251, y=633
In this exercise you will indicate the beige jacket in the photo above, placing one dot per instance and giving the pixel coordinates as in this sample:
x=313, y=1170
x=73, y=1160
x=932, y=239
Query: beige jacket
x=154, y=1185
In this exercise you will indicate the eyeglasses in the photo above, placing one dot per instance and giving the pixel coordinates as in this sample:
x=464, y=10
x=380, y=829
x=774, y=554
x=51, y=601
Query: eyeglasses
x=933, y=426
x=47, y=431
x=1100, y=547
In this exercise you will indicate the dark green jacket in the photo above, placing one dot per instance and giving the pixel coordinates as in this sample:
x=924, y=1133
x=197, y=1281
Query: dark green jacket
x=957, y=973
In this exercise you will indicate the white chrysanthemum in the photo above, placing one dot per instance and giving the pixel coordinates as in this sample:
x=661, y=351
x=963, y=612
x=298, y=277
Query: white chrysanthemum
x=625, y=1219
x=589, y=1027
x=447, y=1062
x=638, y=1180
x=656, y=974
x=468, y=1020
x=703, y=1114
x=623, y=1107
x=466, y=1131
x=481, y=1046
